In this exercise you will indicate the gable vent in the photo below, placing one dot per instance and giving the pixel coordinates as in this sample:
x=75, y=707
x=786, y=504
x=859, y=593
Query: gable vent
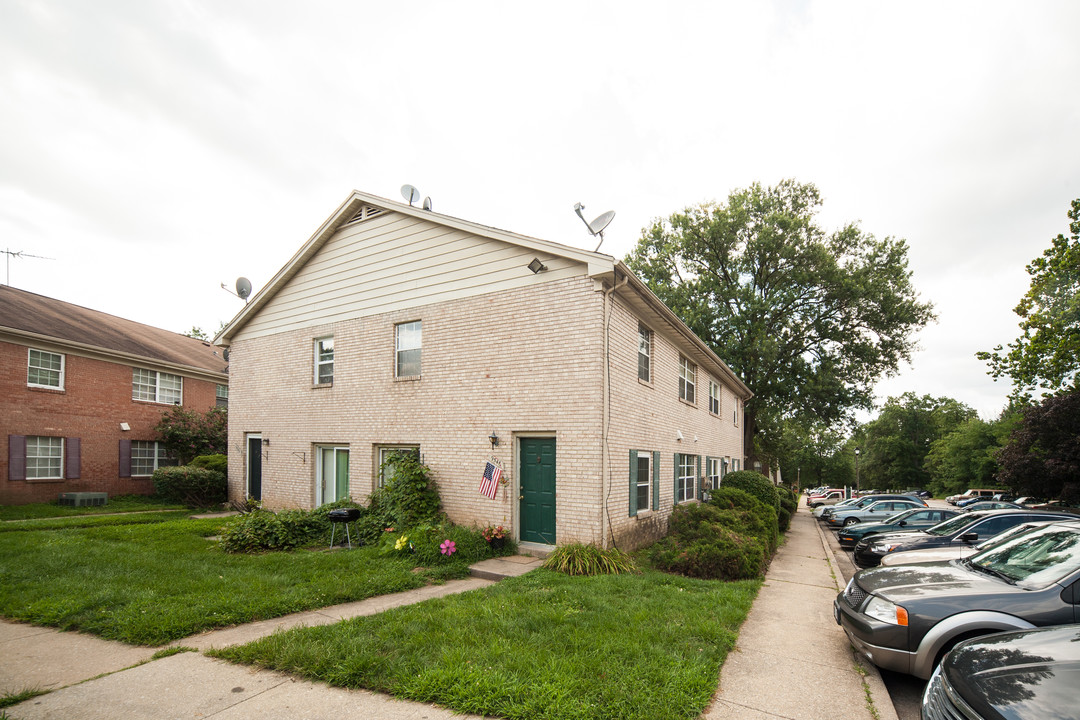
x=366, y=213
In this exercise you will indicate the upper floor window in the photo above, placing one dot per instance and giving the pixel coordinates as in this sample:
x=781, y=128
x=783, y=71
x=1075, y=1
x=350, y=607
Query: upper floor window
x=154, y=386
x=736, y=412
x=44, y=458
x=222, y=396
x=147, y=456
x=687, y=380
x=644, y=353
x=45, y=369
x=714, y=398
x=324, y=361
x=407, y=343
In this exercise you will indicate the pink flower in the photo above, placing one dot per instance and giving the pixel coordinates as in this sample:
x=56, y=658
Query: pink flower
x=448, y=547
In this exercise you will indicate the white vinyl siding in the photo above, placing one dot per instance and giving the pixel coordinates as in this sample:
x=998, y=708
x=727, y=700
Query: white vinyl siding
x=45, y=369
x=159, y=387
x=392, y=262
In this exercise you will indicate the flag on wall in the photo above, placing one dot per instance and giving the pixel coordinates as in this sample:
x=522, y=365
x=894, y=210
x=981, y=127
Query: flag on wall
x=489, y=486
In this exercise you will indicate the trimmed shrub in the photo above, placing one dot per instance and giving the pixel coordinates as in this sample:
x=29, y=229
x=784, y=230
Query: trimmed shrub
x=784, y=519
x=192, y=486
x=217, y=463
x=581, y=559
x=754, y=483
x=726, y=555
x=754, y=517
x=262, y=530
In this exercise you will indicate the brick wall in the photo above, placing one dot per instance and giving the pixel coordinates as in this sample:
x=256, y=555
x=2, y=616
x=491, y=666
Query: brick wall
x=519, y=363
x=96, y=398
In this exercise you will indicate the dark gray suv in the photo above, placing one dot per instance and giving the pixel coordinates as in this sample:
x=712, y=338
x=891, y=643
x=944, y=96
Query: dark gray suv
x=906, y=618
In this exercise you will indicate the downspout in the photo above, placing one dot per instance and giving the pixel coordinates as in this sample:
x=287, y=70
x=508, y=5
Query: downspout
x=605, y=462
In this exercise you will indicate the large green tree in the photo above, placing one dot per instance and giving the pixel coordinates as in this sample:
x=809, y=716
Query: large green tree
x=966, y=457
x=1043, y=454
x=809, y=319
x=896, y=444
x=1046, y=356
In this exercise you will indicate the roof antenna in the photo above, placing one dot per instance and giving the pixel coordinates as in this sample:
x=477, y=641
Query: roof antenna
x=243, y=289
x=410, y=193
x=19, y=254
x=596, y=227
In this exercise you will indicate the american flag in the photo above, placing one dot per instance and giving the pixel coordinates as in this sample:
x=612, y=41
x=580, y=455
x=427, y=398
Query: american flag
x=489, y=486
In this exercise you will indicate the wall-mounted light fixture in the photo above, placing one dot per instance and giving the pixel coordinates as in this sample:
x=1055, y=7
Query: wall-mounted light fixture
x=266, y=441
x=678, y=435
x=493, y=439
x=125, y=427
x=537, y=266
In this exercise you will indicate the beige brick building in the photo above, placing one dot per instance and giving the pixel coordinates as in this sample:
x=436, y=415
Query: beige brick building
x=396, y=329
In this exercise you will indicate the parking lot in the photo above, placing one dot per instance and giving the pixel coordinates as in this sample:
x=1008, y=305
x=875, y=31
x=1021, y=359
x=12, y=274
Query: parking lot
x=905, y=690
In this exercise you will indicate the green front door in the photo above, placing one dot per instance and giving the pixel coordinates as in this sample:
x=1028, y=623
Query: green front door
x=538, y=490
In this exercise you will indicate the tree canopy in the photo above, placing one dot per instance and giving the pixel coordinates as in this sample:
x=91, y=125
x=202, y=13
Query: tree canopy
x=1042, y=457
x=1046, y=356
x=809, y=320
x=187, y=434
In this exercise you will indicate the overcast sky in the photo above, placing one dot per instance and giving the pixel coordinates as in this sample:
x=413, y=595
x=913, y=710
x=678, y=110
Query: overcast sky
x=153, y=150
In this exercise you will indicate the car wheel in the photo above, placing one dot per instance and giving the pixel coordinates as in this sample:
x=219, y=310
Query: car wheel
x=850, y=521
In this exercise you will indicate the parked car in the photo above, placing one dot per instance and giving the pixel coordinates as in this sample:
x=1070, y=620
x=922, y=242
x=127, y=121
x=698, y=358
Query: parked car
x=924, y=494
x=880, y=510
x=907, y=521
x=956, y=550
x=1028, y=500
x=870, y=500
x=990, y=505
x=828, y=497
x=1058, y=505
x=964, y=529
x=820, y=511
x=906, y=618
x=1020, y=674
x=972, y=493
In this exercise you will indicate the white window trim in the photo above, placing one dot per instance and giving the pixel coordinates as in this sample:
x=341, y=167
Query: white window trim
x=647, y=482
x=157, y=387
x=381, y=453
x=687, y=483
x=30, y=471
x=398, y=349
x=687, y=380
x=320, y=498
x=62, y=371
x=318, y=363
x=645, y=338
x=161, y=458
x=714, y=398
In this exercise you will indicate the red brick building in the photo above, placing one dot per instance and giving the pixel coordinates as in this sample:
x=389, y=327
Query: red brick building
x=80, y=394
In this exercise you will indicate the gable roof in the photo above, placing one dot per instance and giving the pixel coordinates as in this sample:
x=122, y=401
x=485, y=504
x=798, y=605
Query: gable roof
x=35, y=319
x=600, y=267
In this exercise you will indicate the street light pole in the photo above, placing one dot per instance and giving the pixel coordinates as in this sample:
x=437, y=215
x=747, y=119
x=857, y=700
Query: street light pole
x=857, y=486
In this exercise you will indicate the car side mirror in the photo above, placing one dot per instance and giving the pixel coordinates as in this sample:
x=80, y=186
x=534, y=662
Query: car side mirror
x=969, y=537
x=903, y=523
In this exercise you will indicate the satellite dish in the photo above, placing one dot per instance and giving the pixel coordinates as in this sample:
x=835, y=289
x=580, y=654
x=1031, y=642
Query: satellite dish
x=597, y=226
x=410, y=193
x=243, y=287
x=427, y=203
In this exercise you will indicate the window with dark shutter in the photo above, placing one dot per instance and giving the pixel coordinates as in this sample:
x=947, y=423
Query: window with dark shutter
x=73, y=458
x=125, y=458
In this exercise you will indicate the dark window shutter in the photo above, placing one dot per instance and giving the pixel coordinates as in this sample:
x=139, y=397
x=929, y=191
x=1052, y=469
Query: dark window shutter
x=74, y=458
x=697, y=478
x=676, y=483
x=633, y=483
x=16, y=457
x=656, y=480
x=125, y=458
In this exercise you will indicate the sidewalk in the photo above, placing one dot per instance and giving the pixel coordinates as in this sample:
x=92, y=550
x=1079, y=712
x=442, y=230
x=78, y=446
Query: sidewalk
x=792, y=661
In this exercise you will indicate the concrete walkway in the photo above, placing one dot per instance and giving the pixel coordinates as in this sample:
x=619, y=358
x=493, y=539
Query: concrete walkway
x=792, y=660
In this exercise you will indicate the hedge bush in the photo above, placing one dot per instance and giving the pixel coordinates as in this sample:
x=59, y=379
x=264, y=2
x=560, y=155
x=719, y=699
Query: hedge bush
x=409, y=499
x=262, y=530
x=192, y=486
x=755, y=518
x=705, y=541
x=754, y=483
x=218, y=463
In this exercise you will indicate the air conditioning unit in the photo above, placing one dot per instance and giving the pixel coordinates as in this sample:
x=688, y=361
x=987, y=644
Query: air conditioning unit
x=80, y=499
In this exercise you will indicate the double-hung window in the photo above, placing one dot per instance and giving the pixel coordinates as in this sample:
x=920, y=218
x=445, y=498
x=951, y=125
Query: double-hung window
x=407, y=345
x=686, y=470
x=687, y=380
x=45, y=369
x=644, y=353
x=388, y=457
x=222, y=396
x=714, y=398
x=713, y=472
x=147, y=456
x=159, y=387
x=644, y=480
x=324, y=361
x=44, y=458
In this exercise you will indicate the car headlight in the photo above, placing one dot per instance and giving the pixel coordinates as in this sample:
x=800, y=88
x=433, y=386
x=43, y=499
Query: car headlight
x=883, y=548
x=885, y=611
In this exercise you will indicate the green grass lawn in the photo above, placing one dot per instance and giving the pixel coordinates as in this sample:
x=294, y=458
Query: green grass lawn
x=147, y=580
x=542, y=645
x=118, y=504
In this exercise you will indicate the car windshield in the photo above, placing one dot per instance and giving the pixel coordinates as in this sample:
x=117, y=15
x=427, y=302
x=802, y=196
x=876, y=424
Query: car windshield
x=903, y=515
x=1034, y=559
x=948, y=527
